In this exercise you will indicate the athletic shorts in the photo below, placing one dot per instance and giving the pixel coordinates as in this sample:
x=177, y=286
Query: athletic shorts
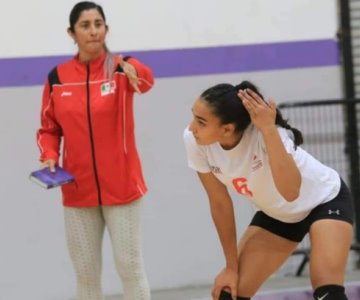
x=340, y=208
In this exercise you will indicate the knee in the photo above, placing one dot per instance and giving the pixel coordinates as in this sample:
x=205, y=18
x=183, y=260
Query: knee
x=330, y=292
x=247, y=287
x=88, y=277
x=87, y=272
x=130, y=269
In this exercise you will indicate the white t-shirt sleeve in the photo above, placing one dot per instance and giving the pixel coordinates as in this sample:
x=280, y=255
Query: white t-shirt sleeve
x=286, y=138
x=196, y=155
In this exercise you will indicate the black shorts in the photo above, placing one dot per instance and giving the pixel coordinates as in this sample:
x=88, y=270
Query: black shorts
x=340, y=208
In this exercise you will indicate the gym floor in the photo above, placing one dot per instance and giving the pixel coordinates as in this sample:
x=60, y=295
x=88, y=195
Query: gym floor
x=277, y=288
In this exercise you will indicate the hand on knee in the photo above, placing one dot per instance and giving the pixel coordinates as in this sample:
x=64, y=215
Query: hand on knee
x=330, y=292
x=227, y=296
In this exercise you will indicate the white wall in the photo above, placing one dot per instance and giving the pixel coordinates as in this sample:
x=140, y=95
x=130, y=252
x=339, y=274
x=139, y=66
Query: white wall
x=39, y=26
x=180, y=244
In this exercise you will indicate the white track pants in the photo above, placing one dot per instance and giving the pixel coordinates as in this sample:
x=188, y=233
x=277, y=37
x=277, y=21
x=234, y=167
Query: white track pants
x=84, y=232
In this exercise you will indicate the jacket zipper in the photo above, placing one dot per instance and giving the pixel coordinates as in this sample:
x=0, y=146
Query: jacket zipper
x=91, y=133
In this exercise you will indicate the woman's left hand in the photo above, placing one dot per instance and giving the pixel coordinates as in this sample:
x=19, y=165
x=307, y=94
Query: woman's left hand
x=131, y=74
x=262, y=113
x=226, y=280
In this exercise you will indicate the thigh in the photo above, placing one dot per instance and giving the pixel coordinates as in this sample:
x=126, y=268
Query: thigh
x=330, y=243
x=84, y=228
x=123, y=224
x=261, y=253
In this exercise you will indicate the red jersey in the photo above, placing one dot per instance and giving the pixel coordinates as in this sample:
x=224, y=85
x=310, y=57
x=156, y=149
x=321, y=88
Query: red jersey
x=93, y=117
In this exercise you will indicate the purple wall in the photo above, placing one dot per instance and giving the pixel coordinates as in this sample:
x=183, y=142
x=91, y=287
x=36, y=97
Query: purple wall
x=29, y=71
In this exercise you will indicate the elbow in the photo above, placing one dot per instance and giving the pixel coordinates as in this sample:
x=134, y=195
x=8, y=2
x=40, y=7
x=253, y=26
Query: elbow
x=145, y=84
x=291, y=191
x=291, y=196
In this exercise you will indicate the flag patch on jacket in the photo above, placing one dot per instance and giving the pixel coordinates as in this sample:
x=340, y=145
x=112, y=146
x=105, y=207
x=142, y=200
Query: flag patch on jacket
x=107, y=88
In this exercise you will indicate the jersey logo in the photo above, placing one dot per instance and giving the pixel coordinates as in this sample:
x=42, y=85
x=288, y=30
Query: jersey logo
x=256, y=163
x=66, y=94
x=240, y=185
x=108, y=88
x=215, y=170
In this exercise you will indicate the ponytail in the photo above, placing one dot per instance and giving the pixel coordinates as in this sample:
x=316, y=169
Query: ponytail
x=108, y=63
x=279, y=120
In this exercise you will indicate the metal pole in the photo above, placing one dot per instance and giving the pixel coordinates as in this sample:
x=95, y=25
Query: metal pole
x=352, y=146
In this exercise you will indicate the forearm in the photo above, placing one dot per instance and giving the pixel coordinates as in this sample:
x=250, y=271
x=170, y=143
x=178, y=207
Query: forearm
x=222, y=212
x=144, y=74
x=49, y=144
x=223, y=216
x=285, y=173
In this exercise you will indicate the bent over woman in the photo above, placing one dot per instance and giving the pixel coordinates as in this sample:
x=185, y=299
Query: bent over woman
x=238, y=141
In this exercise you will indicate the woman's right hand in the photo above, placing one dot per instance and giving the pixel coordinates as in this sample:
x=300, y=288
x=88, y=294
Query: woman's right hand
x=227, y=279
x=50, y=163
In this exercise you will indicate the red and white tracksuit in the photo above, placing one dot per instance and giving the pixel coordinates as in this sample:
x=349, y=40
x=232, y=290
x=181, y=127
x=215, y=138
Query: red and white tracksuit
x=93, y=116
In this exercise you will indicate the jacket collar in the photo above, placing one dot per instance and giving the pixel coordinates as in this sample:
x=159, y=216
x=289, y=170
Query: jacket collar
x=95, y=64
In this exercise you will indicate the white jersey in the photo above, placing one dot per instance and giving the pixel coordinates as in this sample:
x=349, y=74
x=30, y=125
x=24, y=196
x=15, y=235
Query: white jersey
x=246, y=169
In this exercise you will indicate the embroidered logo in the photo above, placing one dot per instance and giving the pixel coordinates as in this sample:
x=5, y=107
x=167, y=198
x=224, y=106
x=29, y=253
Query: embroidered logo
x=323, y=297
x=256, y=163
x=215, y=170
x=240, y=184
x=108, y=88
x=334, y=212
x=66, y=94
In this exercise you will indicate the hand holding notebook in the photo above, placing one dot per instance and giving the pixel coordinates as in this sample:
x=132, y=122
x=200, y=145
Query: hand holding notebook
x=47, y=179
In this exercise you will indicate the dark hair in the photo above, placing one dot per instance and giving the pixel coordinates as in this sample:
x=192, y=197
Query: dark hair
x=226, y=105
x=79, y=8
x=74, y=17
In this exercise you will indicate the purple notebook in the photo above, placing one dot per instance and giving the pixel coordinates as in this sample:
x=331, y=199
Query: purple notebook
x=48, y=180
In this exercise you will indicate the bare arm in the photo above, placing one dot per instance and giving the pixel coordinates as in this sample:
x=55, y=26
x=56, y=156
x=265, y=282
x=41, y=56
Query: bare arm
x=285, y=173
x=222, y=212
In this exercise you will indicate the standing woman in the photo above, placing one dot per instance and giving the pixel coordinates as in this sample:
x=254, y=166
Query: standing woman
x=88, y=104
x=237, y=140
